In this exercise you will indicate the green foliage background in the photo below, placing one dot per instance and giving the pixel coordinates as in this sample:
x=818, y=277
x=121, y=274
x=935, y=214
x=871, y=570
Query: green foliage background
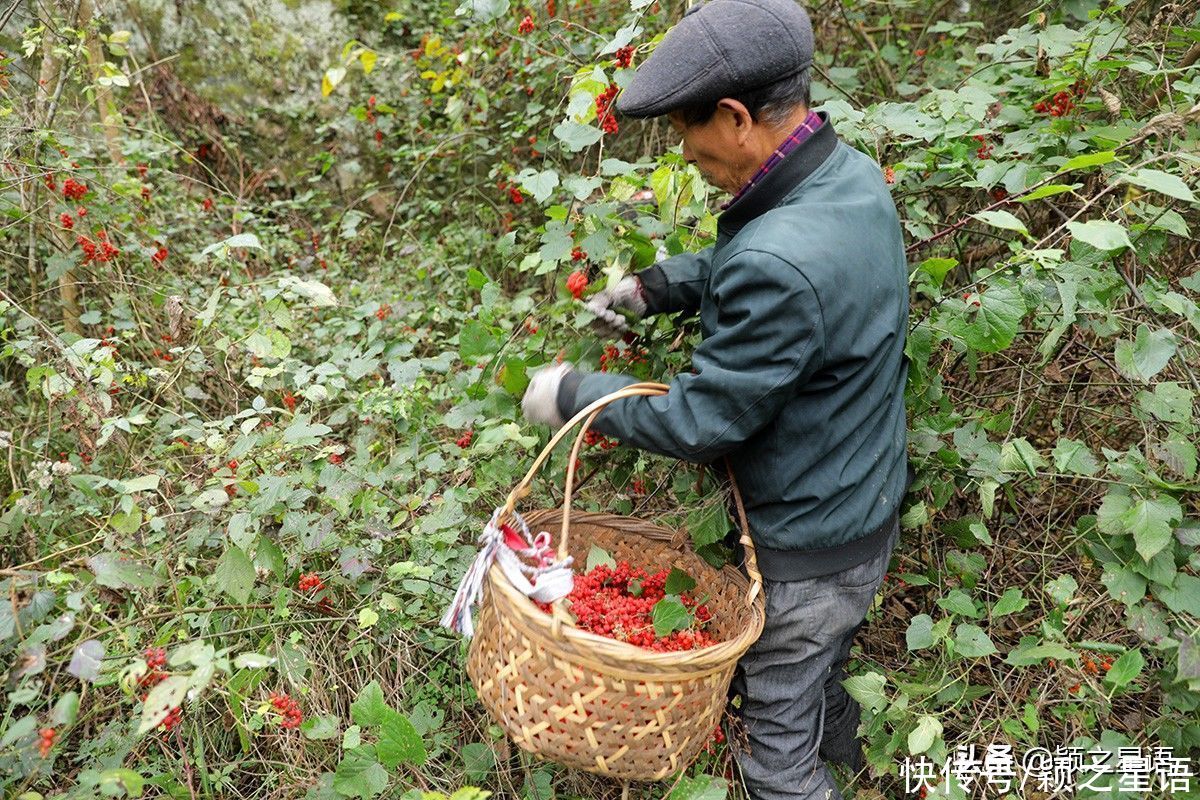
x=321, y=371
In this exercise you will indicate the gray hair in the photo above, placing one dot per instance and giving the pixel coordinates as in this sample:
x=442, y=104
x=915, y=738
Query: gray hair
x=771, y=104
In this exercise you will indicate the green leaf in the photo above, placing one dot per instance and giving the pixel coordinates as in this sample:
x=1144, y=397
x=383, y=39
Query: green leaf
x=479, y=760
x=369, y=707
x=399, y=742
x=120, y=779
x=959, y=602
x=597, y=556
x=1169, y=402
x=166, y=695
x=367, y=617
x=1002, y=219
x=146, y=483
x=708, y=524
x=320, y=728
x=937, y=268
x=992, y=325
x=119, y=572
x=222, y=247
x=1101, y=234
x=360, y=775
x=539, y=184
x=1010, y=602
x=1048, y=191
x=1088, y=160
x=483, y=10
x=1018, y=455
x=1162, y=182
x=476, y=341
x=301, y=432
x=318, y=294
x=575, y=136
x=971, y=641
x=1125, y=669
x=1062, y=589
x=66, y=709
x=252, y=661
x=1184, y=596
x=920, y=632
x=924, y=735
x=868, y=690
x=1147, y=355
x=1073, y=456
x=701, y=787
x=235, y=574
x=1023, y=655
x=669, y=614
x=678, y=582
x=1151, y=521
x=1124, y=585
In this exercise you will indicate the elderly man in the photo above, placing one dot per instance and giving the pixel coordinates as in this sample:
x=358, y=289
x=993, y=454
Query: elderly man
x=799, y=379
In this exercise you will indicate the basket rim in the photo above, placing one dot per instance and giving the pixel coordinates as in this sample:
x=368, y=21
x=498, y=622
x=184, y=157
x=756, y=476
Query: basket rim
x=539, y=625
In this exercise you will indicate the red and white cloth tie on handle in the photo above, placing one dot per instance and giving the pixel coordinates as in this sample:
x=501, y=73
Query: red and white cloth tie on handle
x=548, y=580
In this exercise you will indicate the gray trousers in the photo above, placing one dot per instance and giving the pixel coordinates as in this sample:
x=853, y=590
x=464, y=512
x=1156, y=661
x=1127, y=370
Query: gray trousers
x=796, y=713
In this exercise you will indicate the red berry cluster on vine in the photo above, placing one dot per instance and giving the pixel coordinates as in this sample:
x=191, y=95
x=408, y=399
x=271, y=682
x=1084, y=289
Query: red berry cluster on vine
x=289, y=401
x=464, y=441
x=514, y=194
x=73, y=190
x=577, y=254
x=623, y=58
x=100, y=250
x=593, y=437
x=46, y=737
x=613, y=356
x=984, y=151
x=173, y=718
x=66, y=220
x=604, y=102
x=889, y=175
x=1062, y=103
x=156, y=662
x=310, y=582
x=718, y=737
x=383, y=312
x=526, y=25
x=618, y=602
x=160, y=255
x=289, y=710
x=577, y=283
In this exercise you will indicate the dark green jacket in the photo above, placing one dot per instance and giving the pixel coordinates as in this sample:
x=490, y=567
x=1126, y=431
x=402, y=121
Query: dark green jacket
x=799, y=379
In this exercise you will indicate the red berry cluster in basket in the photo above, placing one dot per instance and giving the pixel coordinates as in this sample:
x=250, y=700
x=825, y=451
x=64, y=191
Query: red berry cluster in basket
x=618, y=601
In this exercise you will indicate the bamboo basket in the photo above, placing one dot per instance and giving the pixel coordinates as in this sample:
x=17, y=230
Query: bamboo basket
x=595, y=703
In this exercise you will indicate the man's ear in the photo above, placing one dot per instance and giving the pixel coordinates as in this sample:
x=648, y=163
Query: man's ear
x=740, y=119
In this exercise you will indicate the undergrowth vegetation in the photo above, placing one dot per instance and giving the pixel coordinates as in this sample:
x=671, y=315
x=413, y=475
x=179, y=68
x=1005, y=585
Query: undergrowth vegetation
x=275, y=276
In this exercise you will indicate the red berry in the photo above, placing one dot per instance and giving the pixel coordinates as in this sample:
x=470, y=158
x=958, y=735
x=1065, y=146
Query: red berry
x=577, y=283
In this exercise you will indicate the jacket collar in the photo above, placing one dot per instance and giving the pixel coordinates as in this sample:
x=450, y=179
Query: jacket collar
x=781, y=180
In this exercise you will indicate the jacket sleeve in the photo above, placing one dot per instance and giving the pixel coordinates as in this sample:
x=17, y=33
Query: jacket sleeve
x=768, y=341
x=676, y=283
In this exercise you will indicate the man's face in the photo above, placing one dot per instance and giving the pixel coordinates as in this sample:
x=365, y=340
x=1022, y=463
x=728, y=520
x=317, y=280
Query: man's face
x=715, y=147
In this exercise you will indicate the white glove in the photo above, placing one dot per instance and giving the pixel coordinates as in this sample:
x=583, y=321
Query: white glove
x=540, y=403
x=627, y=295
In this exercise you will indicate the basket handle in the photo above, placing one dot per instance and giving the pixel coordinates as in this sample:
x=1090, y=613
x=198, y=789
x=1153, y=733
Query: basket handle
x=588, y=415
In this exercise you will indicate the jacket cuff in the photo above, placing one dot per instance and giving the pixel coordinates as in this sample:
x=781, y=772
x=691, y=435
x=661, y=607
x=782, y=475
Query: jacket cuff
x=654, y=288
x=568, y=387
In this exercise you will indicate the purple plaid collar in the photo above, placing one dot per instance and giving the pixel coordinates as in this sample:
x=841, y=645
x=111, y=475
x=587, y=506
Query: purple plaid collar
x=796, y=138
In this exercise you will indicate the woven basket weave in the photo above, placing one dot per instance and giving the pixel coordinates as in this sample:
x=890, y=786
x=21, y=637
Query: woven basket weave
x=595, y=703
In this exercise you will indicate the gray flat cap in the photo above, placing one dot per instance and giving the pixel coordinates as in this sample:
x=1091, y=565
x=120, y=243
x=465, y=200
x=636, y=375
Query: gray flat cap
x=720, y=49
